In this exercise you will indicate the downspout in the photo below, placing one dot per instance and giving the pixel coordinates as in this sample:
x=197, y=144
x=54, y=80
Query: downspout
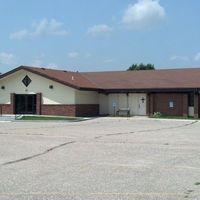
x=127, y=99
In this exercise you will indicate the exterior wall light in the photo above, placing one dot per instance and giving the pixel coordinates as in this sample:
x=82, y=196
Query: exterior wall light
x=50, y=86
x=143, y=99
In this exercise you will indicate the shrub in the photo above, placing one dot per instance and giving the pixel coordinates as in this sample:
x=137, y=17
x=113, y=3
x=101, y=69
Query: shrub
x=157, y=115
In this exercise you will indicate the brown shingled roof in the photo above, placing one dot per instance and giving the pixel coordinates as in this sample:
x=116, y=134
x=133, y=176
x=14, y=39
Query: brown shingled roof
x=146, y=79
x=121, y=80
x=72, y=79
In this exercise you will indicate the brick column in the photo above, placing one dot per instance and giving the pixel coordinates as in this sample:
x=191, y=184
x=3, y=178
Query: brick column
x=38, y=103
x=1, y=110
x=151, y=104
x=12, y=103
x=185, y=105
x=196, y=105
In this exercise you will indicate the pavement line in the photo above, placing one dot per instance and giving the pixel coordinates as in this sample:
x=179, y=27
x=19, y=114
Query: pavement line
x=145, y=194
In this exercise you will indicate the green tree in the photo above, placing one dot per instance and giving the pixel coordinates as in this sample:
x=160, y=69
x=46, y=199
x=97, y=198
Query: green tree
x=141, y=66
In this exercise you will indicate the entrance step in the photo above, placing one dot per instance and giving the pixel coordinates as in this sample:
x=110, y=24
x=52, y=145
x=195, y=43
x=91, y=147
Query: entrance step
x=7, y=117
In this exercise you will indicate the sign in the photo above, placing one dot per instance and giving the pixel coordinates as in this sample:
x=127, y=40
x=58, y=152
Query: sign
x=171, y=104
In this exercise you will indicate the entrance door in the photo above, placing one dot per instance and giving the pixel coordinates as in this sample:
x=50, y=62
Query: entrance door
x=25, y=104
x=142, y=105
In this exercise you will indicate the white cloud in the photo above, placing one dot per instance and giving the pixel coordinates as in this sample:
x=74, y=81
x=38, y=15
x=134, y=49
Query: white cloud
x=7, y=59
x=52, y=66
x=144, y=13
x=19, y=35
x=37, y=62
x=179, y=58
x=88, y=55
x=99, y=30
x=43, y=28
x=108, y=60
x=73, y=54
x=197, y=57
x=40, y=63
x=51, y=27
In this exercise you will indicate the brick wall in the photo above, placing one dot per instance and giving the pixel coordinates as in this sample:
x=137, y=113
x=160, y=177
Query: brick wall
x=6, y=109
x=161, y=104
x=198, y=107
x=87, y=110
x=80, y=110
x=62, y=110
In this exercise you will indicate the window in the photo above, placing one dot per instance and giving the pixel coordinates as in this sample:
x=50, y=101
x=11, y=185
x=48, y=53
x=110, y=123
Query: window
x=191, y=99
x=26, y=81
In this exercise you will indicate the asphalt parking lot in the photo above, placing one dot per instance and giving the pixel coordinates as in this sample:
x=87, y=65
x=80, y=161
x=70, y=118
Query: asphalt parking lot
x=102, y=158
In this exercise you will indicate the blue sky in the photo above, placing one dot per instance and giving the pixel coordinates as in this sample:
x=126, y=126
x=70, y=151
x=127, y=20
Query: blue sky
x=91, y=35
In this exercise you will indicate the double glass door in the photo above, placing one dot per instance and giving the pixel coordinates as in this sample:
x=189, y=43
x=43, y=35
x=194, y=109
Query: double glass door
x=25, y=104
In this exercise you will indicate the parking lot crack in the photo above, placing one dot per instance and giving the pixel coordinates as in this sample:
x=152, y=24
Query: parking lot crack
x=39, y=154
x=148, y=130
x=169, y=128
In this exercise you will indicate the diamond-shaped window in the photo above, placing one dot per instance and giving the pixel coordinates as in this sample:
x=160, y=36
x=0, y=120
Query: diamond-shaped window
x=26, y=81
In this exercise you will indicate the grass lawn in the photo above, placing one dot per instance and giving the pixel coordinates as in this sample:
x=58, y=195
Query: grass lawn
x=48, y=118
x=174, y=117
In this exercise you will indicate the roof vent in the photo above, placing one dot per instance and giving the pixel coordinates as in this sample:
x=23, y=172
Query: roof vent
x=64, y=71
x=72, y=78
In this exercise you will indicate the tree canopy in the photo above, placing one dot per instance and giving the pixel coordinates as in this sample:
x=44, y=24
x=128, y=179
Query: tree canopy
x=141, y=66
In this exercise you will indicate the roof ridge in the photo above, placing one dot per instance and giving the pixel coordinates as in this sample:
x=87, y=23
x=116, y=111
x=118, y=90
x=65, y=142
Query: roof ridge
x=160, y=69
x=110, y=71
x=45, y=68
